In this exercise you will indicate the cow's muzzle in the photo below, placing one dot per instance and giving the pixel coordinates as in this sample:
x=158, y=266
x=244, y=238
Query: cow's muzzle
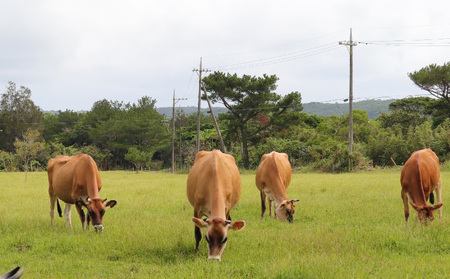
x=98, y=228
x=214, y=258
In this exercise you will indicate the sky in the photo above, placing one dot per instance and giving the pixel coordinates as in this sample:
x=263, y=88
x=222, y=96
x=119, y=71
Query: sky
x=71, y=54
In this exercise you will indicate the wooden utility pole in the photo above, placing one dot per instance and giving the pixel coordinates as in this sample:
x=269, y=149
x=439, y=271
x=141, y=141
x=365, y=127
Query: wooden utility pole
x=200, y=70
x=351, y=44
x=224, y=150
x=173, y=129
x=181, y=157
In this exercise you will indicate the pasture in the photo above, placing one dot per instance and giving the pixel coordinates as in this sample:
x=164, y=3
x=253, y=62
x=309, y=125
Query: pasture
x=345, y=226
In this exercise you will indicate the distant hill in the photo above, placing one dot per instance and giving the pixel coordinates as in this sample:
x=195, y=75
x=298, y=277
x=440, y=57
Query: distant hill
x=373, y=107
x=190, y=110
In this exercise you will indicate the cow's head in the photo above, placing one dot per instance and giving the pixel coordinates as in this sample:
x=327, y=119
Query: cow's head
x=95, y=210
x=425, y=213
x=285, y=210
x=217, y=234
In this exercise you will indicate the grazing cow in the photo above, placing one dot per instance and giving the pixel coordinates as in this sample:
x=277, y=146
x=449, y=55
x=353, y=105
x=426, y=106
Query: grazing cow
x=419, y=178
x=272, y=179
x=76, y=180
x=213, y=189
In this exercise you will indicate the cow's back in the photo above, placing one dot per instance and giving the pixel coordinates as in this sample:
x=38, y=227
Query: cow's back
x=422, y=168
x=274, y=167
x=67, y=174
x=213, y=175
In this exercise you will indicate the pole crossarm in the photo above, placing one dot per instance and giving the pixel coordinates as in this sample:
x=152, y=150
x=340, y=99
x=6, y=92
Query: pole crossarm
x=348, y=43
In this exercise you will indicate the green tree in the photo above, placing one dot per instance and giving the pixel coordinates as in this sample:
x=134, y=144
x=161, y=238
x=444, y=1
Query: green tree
x=418, y=105
x=7, y=160
x=66, y=127
x=387, y=145
x=441, y=143
x=115, y=127
x=138, y=158
x=29, y=147
x=252, y=104
x=407, y=112
x=435, y=79
x=17, y=114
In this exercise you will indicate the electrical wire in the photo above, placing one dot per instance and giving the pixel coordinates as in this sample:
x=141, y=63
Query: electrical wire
x=439, y=42
x=279, y=58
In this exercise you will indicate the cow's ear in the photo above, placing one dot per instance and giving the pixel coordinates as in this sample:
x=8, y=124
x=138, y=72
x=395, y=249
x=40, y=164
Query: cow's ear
x=80, y=203
x=415, y=206
x=437, y=206
x=111, y=203
x=294, y=200
x=237, y=225
x=199, y=222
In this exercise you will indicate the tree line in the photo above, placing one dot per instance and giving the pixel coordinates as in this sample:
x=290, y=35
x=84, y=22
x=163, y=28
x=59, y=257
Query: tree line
x=135, y=136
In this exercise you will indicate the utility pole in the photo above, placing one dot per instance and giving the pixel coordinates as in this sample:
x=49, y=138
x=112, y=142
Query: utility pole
x=224, y=150
x=179, y=125
x=351, y=44
x=173, y=129
x=200, y=70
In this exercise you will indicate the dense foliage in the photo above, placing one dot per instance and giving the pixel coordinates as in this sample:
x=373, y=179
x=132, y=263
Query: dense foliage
x=136, y=136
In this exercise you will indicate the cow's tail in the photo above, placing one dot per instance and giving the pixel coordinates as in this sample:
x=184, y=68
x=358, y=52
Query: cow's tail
x=59, y=208
x=432, y=198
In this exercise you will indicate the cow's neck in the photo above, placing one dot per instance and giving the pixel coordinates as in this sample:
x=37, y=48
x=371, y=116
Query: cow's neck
x=92, y=191
x=218, y=208
x=279, y=191
x=421, y=199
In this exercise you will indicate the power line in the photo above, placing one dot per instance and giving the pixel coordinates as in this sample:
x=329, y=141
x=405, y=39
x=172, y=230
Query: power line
x=279, y=58
x=189, y=90
x=438, y=42
x=286, y=45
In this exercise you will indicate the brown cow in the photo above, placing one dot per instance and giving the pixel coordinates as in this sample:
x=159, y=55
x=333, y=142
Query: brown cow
x=272, y=179
x=76, y=180
x=420, y=177
x=213, y=189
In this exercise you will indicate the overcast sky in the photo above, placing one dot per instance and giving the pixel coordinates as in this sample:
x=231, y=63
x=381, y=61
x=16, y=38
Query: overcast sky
x=71, y=54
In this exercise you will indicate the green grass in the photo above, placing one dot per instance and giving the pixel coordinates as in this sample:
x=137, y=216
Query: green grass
x=345, y=226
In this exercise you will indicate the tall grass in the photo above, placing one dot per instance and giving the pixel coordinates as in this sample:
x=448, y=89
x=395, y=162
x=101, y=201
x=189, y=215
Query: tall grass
x=345, y=226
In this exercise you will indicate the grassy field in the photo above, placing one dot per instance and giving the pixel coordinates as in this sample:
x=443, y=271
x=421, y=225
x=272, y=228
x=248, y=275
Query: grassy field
x=345, y=226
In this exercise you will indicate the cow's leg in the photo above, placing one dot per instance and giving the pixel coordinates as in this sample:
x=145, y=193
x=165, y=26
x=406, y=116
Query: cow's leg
x=88, y=220
x=270, y=207
x=52, y=207
x=82, y=216
x=405, y=205
x=439, y=196
x=263, y=203
x=68, y=214
x=197, y=231
x=198, y=237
